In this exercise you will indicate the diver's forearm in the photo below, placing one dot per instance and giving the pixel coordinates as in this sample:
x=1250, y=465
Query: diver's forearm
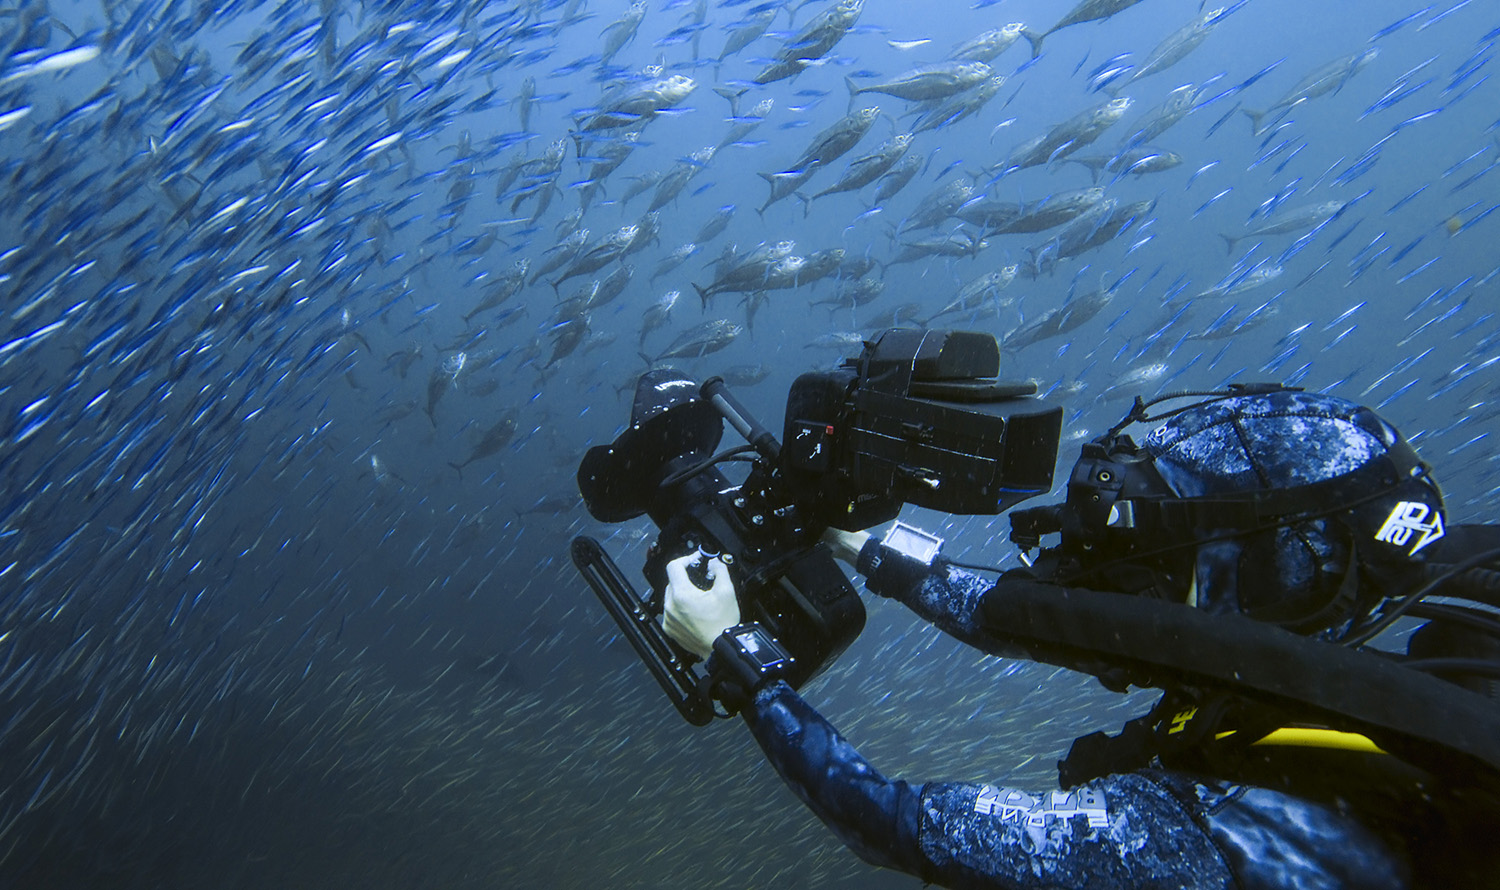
x=877, y=818
x=941, y=594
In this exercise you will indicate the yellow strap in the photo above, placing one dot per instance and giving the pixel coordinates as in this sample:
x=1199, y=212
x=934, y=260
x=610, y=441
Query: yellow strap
x=1315, y=738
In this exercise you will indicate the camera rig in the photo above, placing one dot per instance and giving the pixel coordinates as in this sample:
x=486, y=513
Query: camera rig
x=919, y=417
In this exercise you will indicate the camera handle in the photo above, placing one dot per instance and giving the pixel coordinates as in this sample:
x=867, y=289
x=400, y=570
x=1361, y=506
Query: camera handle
x=638, y=625
x=716, y=391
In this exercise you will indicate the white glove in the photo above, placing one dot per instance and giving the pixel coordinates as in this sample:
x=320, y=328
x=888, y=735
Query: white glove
x=695, y=617
x=845, y=545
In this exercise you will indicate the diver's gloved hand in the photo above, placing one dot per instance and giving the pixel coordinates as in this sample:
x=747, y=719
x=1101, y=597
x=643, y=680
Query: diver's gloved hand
x=846, y=545
x=695, y=617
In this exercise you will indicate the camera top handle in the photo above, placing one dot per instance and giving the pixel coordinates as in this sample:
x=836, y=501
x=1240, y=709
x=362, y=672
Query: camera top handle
x=716, y=391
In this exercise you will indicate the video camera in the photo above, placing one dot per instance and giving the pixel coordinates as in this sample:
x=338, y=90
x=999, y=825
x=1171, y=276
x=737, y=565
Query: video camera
x=919, y=417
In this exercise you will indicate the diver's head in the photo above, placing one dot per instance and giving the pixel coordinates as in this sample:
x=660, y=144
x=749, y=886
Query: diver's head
x=1294, y=508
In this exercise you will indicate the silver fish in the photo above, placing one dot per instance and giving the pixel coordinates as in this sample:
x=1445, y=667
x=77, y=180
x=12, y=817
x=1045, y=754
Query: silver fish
x=1228, y=328
x=504, y=287
x=561, y=254
x=600, y=254
x=957, y=244
x=747, y=124
x=715, y=225
x=989, y=213
x=1101, y=224
x=658, y=314
x=784, y=184
x=1238, y=284
x=672, y=184
x=1087, y=11
x=639, y=106
x=1053, y=211
x=746, y=375
x=1176, y=47
x=1068, y=136
x=704, y=339
x=748, y=31
x=990, y=45
x=813, y=42
x=493, y=439
x=1292, y=219
x=1329, y=78
x=608, y=155
x=938, y=205
x=674, y=259
x=1158, y=120
x=905, y=315
x=1136, y=377
x=621, y=32
x=984, y=289
x=833, y=142
x=927, y=83
x=566, y=337
x=524, y=100
x=611, y=286
x=897, y=179
x=951, y=111
x=1059, y=320
x=855, y=294
x=748, y=273
x=865, y=170
x=1136, y=161
x=640, y=185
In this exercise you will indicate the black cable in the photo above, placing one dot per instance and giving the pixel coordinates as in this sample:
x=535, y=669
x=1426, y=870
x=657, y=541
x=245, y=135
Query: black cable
x=1479, y=585
x=730, y=454
x=1478, y=667
x=1474, y=619
x=1138, y=413
x=1358, y=636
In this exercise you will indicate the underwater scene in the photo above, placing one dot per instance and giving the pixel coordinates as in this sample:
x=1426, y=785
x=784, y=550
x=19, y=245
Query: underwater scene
x=310, y=311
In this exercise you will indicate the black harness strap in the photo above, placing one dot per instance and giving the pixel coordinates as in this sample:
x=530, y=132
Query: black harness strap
x=1421, y=718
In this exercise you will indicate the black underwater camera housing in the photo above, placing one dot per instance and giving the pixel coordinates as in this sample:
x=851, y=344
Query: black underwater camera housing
x=919, y=417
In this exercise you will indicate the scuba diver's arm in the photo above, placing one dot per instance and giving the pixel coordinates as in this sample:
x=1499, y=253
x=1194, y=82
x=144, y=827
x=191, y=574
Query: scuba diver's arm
x=1143, y=828
x=1149, y=828
x=1121, y=831
x=875, y=817
x=942, y=594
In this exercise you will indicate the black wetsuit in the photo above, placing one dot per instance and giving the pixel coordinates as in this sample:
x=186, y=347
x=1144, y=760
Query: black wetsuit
x=1150, y=827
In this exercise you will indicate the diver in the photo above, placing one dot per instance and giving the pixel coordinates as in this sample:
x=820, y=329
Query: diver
x=1269, y=510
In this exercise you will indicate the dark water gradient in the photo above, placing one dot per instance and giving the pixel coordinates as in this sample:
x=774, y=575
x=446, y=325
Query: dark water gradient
x=232, y=654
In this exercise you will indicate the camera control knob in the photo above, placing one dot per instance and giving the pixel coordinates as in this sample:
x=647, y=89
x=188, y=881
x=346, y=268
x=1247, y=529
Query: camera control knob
x=697, y=572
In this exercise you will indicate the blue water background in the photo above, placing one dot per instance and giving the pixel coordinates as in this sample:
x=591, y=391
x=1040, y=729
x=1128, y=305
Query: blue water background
x=234, y=654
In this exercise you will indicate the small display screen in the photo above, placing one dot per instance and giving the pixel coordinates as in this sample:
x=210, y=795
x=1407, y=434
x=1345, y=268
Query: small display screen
x=913, y=542
x=763, y=649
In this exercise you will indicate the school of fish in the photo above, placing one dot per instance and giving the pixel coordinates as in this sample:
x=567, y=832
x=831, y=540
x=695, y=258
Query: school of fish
x=308, y=312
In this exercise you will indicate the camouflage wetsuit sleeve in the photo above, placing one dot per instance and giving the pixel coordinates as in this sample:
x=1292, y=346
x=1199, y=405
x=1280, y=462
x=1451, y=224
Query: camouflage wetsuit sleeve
x=1125, y=831
x=1145, y=829
x=946, y=596
x=1150, y=828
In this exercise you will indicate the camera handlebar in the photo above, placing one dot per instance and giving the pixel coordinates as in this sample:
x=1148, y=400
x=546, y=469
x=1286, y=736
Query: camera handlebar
x=716, y=391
